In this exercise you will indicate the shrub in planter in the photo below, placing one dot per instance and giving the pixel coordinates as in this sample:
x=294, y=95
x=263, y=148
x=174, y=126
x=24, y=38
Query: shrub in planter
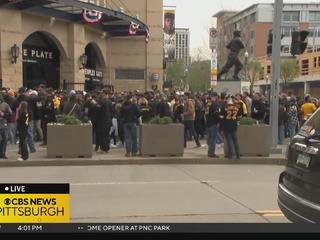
x=69, y=138
x=248, y=121
x=254, y=139
x=161, y=138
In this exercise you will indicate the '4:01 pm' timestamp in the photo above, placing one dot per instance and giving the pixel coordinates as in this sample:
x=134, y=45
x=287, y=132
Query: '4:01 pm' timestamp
x=30, y=228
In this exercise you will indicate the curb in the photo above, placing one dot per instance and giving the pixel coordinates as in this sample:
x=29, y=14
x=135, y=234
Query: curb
x=144, y=161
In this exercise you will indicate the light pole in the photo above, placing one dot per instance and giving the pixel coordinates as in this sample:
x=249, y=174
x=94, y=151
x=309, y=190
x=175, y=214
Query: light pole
x=275, y=87
x=246, y=56
x=186, y=86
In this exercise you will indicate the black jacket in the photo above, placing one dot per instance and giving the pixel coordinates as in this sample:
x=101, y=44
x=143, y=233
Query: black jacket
x=146, y=113
x=48, y=113
x=163, y=109
x=129, y=113
x=104, y=114
x=213, y=117
x=22, y=123
x=258, y=110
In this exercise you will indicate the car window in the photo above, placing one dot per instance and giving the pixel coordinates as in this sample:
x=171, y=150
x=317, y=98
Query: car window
x=313, y=123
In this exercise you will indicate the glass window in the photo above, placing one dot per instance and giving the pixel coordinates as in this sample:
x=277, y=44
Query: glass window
x=314, y=16
x=315, y=62
x=132, y=74
x=305, y=67
x=252, y=35
x=311, y=32
x=237, y=26
x=269, y=69
x=286, y=31
x=293, y=16
x=261, y=75
x=253, y=18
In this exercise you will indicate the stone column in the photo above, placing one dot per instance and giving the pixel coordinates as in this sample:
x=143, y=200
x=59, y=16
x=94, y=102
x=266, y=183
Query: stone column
x=76, y=46
x=10, y=34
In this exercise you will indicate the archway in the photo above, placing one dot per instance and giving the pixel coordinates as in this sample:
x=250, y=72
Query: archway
x=95, y=68
x=41, y=61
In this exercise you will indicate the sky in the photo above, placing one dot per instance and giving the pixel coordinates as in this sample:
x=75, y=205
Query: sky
x=197, y=16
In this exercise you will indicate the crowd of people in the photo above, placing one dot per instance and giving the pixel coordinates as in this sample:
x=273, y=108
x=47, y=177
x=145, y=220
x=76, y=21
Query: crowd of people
x=25, y=114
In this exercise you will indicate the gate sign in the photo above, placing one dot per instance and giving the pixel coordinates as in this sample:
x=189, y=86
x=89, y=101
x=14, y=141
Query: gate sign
x=93, y=74
x=91, y=16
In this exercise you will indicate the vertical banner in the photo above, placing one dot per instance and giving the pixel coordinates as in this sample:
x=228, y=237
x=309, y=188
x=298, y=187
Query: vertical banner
x=214, y=69
x=213, y=40
x=169, y=34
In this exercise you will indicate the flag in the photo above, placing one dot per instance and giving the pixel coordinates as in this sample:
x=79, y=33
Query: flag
x=91, y=16
x=147, y=36
x=134, y=28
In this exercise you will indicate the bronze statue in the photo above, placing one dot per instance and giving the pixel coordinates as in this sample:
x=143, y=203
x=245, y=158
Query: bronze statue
x=235, y=46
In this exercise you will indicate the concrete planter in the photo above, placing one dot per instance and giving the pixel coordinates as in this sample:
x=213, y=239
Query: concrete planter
x=254, y=140
x=69, y=141
x=161, y=140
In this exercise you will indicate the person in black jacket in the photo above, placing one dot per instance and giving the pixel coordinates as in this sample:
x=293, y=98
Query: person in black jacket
x=103, y=123
x=178, y=110
x=258, y=108
x=145, y=110
x=213, y=120
x=130, y=114
x=163, y=108
x=22, y=126
x=48, y=115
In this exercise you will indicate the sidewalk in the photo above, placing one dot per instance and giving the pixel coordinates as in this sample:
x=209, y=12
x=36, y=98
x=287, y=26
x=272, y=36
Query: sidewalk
x=116, y=157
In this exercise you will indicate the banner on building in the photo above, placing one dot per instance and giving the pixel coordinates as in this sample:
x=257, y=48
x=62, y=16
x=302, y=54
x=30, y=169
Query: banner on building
x=214, y=69
x=169, y=34
x=91, y=16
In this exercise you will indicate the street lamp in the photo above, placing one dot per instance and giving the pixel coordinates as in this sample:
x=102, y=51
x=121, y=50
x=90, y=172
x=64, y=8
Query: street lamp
x=15, y=51
x=83, y=60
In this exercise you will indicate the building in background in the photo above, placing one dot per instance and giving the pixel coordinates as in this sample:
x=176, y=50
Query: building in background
x=183, y=46
x=51, y=43
x=255, y=24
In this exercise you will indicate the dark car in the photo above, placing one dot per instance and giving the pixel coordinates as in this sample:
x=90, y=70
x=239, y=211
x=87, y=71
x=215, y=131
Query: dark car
x=299, y=184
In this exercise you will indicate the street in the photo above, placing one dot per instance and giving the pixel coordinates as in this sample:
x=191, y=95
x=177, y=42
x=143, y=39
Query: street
x=163, y=193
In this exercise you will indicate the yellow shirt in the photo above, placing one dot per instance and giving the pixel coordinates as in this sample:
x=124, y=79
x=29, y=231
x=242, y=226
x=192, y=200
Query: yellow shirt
x=307, y=110
x=57, y=102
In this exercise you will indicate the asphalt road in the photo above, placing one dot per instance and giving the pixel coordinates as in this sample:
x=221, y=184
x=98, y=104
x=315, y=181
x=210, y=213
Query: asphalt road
x=164, y=193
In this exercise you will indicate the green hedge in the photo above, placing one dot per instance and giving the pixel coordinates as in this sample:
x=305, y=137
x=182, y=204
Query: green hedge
x=70, y=120
x=248, y=121
x=161, y=121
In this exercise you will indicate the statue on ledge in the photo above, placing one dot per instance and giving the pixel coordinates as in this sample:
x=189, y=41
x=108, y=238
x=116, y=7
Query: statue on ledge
x=235, y=46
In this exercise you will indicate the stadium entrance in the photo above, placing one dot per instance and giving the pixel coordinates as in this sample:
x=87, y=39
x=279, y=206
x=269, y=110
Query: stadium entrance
x=41, y=61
